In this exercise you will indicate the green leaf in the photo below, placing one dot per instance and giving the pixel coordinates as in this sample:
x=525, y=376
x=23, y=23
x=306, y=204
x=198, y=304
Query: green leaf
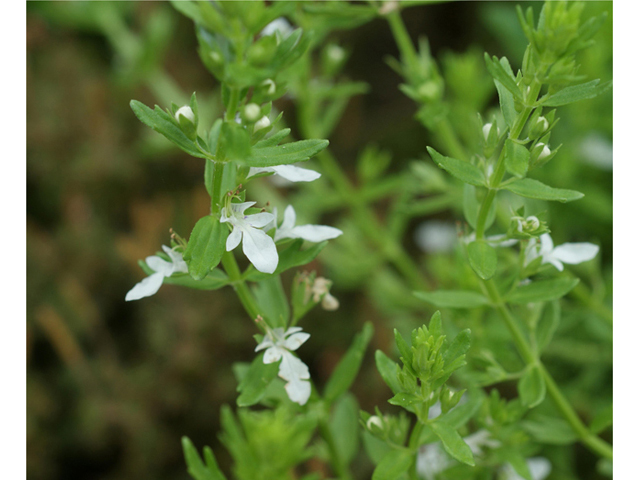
x=272, y=301
x=346, y=371
x=483, y=259
x=405, y=350
x=405, y=400
x=196, y=467
x=518, y=462
x=531, y=387
x=516, y=159
x=234, y=143
x=389, y=371
x=602, y=420
x=497, y=69
x=527, y=187
x=547, y=324
x=345, y=428
x=285, y=154
x=393, y=464
x=452, y=442
x=274, y=139
x=458, y=347
x=461, y=170
x=462, y=413
x=543, y=290
x=576, y=93
x=507, y=105
x=453, y=298
x=162, y=123
x=290, y=257
x=551, y=430
x=206, y=246
x=471, y=207
x=256, y=380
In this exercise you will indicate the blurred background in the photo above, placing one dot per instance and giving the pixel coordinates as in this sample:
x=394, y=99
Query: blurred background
x=112, y=386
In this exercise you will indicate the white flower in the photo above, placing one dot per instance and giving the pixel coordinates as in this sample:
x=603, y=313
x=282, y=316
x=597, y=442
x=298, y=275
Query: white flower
x=288, y=172
x=280, y=25
x=320, y=290
x=162, y=269
x=279, y=345
x=436, y=236
x=312, y=233
x=571, y=253
x=187, y=113
x=539, y=467
x=499, y=240
x=256, y=245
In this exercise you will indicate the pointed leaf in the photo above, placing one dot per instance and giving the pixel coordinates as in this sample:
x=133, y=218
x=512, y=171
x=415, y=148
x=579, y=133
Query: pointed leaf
x=530, y=188
x=393, y=464
x=516, y=159
x=498, y=72
x=206, y=246
x=256, y=380
x=461, y=170
x=483, y=259
x=452, y=442
x=285, y=154
x=531, y=387
x=196, y=467
x=576, y=93
x=543, y=290
x=388, y=370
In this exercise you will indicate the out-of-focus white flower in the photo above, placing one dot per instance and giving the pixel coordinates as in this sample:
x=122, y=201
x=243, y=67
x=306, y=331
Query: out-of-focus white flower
x=252, y=112
x=597, y=150
x=435, y=236
x=571, y=253
x=530, y=223
x=499, y=240
x=279, y=345
x=270, y=85
x=311, y=233
x=539, y=467
x=288, y=172
x=374, y=420
x=280, y=25
x=259, y=247
x=320, y=292
x=162, y=269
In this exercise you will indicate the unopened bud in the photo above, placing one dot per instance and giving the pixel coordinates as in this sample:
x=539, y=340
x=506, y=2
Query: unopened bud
x=251, y=112
x=374, y=420
x=429, y=91
x=538, y=128
x=187, y=113
x=329, y=302
x=545, y=151
x=485, y=130
x=335, y=53
x=269, y=85
x=264, y=122
x=533, y=222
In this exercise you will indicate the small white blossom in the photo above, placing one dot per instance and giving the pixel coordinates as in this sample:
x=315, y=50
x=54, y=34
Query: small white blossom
x=571, y=253
x=530, y=223
x=264, y=122
x=279, y=345
x=162, y=269
x=320, y=291
x=288, y=172
x=187, y=113
x=280, y=25
x=311, y=233
x=435, y=236
x=256, y=244
x=270, y=85
x=539, y=467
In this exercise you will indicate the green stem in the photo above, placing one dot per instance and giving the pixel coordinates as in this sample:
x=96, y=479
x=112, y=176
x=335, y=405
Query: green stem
x=234, y=99
x=402, y=38
x=216, y=188
x=413, y=445
x=595, y=443
x=246, y=298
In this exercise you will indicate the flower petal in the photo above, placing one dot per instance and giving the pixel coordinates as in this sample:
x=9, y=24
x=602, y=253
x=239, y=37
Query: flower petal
x=233, y=240
x=291, y=367
x=314, y=233
x=273, y=354
x=260, y=250
x=296, y=174
x=159, y=265
x=298, y=391
x=265, y=343
x=241, y=207
x=289, y=220
x=259, y=220
x=257, y=170
x=546, y=243
x=553, y=261
x=295, y=340
x=146, y=287
x=291, y=330
x=574, y=253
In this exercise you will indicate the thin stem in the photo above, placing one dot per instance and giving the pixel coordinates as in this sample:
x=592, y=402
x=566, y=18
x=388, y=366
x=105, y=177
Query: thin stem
x=402, y=38
x=216, y=188
x=246, y=298
x=595, y=443
x=413, y=445
x=234, y=98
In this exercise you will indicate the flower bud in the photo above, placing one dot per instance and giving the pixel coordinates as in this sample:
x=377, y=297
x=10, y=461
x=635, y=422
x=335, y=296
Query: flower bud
x=374, y=420
x=533, y=222
x=538, y=128
x=187, y=113
x=329, y=302
x=269, y=86
x=251, y=113
x=544, y=153
x=335, y=53
x=429, y=91
x=485, y=130
x=264, y=122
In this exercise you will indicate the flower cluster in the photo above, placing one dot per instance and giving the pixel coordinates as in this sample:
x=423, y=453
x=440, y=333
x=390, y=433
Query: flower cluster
x=162, y=269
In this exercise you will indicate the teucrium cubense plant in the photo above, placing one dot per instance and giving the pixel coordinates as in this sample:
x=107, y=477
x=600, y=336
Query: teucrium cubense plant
x=257, y=53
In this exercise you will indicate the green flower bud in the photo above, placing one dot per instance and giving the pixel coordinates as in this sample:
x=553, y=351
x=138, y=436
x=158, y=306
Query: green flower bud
x=251, y=113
